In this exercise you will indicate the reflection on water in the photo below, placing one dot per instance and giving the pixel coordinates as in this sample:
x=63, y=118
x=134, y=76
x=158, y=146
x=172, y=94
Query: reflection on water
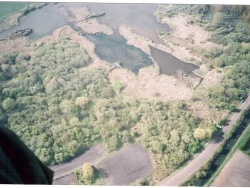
x=170, y=64
x=140, y=17
x=43, y=22
x=114, y=49
x=111, y=48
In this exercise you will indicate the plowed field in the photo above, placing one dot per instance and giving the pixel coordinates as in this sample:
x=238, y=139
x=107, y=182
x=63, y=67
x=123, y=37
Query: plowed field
x=126, y=166
x=236, y=172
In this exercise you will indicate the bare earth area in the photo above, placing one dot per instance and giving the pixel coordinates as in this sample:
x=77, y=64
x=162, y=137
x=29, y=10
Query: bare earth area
x=20, y=44
x=62, y=171
x=236, y=172
x=149, y=84
x=79, y=16
x=66, y=180
x=126, y=166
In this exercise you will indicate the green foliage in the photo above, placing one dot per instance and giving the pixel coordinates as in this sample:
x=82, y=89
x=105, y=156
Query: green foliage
x=118, y=86
x=234, y=60
x=88, y=173
x=61, y=107
x=8, y=104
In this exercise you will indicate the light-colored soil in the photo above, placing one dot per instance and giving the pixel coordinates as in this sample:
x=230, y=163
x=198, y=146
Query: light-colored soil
x=90, y=155
x=66, y=180
x=149, y=84
x=74, y=14
x=20, y=44
x=78, y=16
x=135, y=39
x=236, y=172
x=93, y=26
x=126, y=166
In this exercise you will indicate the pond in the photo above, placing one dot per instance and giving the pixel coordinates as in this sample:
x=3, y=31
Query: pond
x=43, y=21
x=115, y=50
x=140, y=17
x=111, y=48
x=169, y=64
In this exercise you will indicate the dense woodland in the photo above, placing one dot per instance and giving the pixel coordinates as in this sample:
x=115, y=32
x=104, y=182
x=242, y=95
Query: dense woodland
x=58, y=107
x=230, y=28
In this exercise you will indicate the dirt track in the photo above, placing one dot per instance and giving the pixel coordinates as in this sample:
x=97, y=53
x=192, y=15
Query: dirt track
x=90, y=155
x=66, y=180
x=182, y=175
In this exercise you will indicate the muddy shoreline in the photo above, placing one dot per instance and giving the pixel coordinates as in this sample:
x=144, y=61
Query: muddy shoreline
x=11, y=21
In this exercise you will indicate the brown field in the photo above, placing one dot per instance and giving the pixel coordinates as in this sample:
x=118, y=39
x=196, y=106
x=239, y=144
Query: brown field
x=66, y=180
x=91, y=155
x=236, y=172
x=126, y=166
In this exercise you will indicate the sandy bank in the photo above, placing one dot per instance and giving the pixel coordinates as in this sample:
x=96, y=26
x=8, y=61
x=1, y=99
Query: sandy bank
x=79, y=16
x=20, y=44
x=135, y=39
x=149, y=84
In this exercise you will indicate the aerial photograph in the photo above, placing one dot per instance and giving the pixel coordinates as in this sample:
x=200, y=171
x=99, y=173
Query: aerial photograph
x=135, y=94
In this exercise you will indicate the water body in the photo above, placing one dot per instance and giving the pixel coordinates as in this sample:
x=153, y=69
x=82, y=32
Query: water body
x=170, y=64
x=43, y=21
x=140, y=17
x=113, y=48
x=110, y=48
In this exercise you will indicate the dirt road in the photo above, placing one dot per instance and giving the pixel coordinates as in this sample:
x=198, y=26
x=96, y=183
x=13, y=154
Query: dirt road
x=180, y=176
x=90, y=155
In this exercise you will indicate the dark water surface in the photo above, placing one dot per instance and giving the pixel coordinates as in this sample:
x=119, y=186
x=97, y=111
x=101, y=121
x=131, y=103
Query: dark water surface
x=114, y=49
x=43, y=21
x=110, y=48
x=140, y=17
x=170, y=64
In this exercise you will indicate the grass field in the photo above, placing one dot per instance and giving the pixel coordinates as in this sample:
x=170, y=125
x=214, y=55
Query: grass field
x=126, y=166
x=8, y=8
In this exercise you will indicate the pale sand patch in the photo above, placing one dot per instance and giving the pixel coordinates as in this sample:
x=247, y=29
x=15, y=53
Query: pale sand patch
x=183, y=30
x=20, y=44
x=135, y=39
x=74, y=14
x=93, y=26
x=149, y=84
x=187, y=38
x=79, y=16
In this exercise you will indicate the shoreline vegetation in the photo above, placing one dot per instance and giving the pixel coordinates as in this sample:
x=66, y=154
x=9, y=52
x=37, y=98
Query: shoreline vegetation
x=9, y=21
x=82, y=18
x=90, y=94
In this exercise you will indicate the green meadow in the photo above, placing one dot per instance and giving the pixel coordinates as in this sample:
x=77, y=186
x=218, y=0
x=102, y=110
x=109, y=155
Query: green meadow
x=8, y=8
